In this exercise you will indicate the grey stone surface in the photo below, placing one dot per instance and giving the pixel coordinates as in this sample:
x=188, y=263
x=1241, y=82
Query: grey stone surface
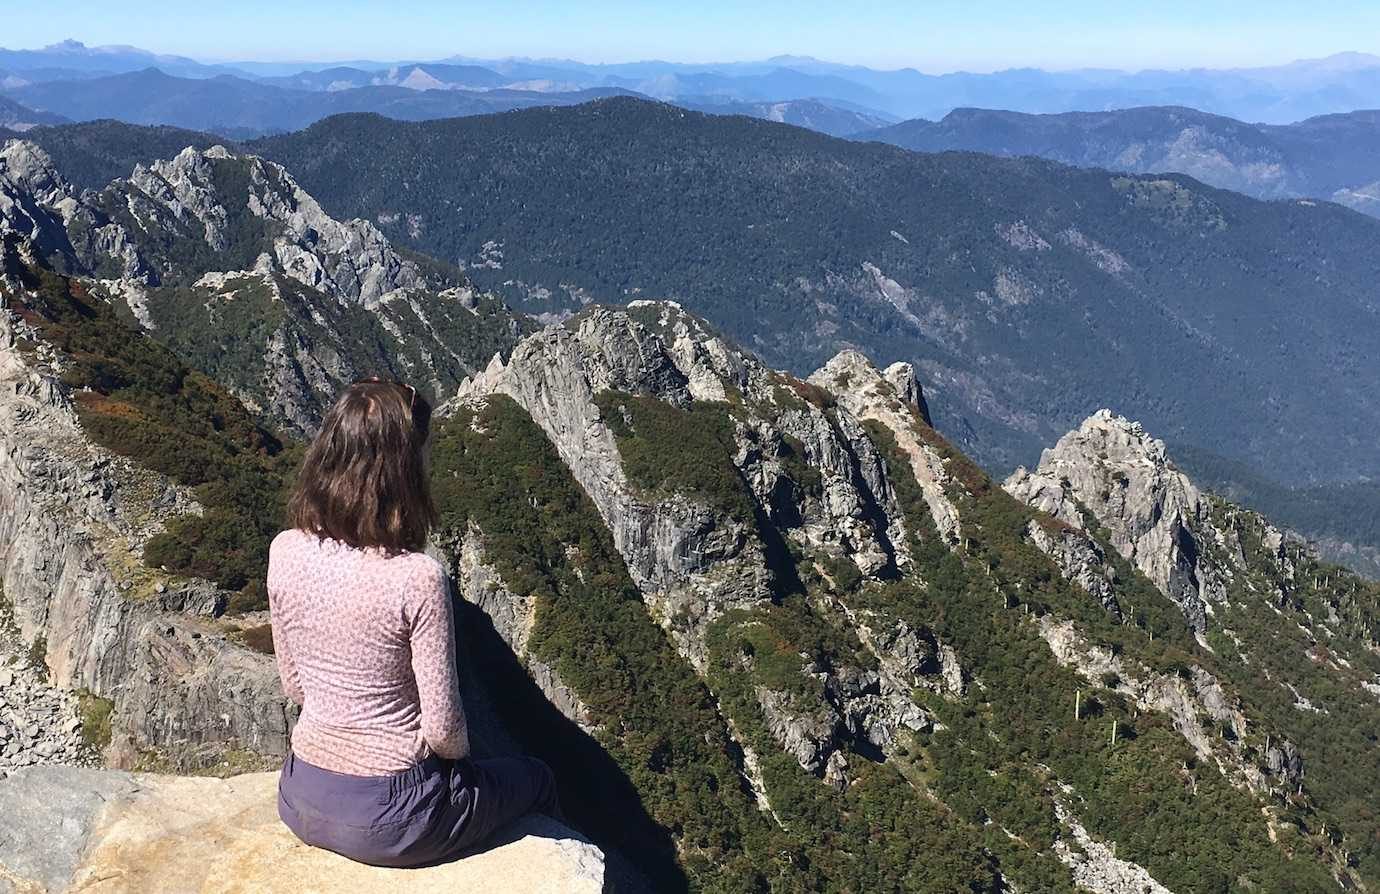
x=50, y=814
x=1156, y=517
x=693, y=562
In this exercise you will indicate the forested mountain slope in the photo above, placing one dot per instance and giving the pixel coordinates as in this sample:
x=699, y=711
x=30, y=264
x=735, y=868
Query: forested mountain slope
x=1334, y=157
x=1028, y=293
x=93, y=153
x=14, y=116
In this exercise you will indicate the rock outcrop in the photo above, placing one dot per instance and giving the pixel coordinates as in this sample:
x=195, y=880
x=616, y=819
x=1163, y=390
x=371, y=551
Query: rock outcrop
x=692, y=561
x=1095, y=865
x=894, y=400
x=350, y=260
x=1153, y=514
x=39, y=723
x=72, y=830
x=695, y=562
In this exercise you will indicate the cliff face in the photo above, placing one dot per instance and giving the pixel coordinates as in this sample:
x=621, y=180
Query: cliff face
x=1154, y=515
x=817, y=480
x=73, y=521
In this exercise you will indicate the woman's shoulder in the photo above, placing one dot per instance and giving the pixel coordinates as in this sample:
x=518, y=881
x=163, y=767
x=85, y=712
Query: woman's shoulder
x=420, y=566
x=289, y=540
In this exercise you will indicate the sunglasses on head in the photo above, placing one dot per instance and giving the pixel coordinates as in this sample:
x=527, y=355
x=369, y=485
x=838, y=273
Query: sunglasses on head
x=375, y=380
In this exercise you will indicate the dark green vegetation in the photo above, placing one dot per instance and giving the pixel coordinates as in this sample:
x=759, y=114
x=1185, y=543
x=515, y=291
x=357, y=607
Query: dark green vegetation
x=139, y=400
x=1062, y=281
x=656, y=719
x=667, y=450
x=1168, y=811
x=1338, y=732
x=1330, y=157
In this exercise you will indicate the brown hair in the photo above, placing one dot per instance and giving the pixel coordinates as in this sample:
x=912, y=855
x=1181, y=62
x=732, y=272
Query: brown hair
x=363, y=481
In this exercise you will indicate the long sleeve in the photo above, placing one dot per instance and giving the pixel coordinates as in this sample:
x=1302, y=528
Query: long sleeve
x=433, y=666
x=287, y=667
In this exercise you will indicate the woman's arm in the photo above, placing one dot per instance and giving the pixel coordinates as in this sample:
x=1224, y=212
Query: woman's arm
x=433, y=666
x=287, y=667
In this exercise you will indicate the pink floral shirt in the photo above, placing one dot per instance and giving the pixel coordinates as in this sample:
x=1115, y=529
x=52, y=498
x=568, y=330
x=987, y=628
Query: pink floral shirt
x=366, y=645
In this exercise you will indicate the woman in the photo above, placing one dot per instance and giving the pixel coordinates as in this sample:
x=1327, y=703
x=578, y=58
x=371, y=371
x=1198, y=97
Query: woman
x=365, y=638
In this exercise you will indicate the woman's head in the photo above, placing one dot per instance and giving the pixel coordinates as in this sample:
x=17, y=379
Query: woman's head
x=363, y=481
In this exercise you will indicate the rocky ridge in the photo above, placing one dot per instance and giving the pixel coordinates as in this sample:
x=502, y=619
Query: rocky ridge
x=1114, y=489
x=696, y=564
x=210, y=240
x=1155, y=516
x=699, y=565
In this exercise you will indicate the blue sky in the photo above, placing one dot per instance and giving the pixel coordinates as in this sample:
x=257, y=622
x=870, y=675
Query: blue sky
x=932, y=35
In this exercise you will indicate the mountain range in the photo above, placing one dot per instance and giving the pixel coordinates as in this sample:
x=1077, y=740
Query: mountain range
x=1334, y=157
x=998, y=417
x=239, y=108
x=236, y=107
x=775, y=632
x=1276, y=94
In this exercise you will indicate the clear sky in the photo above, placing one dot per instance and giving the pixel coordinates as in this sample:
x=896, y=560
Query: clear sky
x=932, y=35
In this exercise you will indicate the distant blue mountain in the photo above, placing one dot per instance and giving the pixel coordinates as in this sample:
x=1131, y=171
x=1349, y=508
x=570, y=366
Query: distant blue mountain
x=1334, y=157
x=61, y=61
x=419, y=76
x=1279, y=94
x=241, y=108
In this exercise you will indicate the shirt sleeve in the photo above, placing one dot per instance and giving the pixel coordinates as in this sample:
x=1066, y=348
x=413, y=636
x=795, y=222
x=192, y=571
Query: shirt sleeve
x=287, y=667
x=433, y=666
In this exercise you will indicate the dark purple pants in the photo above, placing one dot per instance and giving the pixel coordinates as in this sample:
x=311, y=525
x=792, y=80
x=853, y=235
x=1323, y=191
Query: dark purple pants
x=430, y=813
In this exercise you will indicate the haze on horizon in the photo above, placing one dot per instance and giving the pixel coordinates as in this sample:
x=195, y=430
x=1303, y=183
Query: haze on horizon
x=935, y=37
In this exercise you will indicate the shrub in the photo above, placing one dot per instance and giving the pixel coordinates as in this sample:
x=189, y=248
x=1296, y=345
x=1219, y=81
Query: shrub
x=95, y=714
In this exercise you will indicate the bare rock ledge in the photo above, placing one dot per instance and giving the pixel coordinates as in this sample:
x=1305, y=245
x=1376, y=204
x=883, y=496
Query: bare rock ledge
x=67, y=829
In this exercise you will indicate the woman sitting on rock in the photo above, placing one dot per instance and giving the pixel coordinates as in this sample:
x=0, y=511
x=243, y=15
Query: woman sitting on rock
x=364, y=633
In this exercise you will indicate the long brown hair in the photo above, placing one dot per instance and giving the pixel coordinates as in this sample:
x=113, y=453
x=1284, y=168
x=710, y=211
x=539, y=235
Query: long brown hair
x=363, y=481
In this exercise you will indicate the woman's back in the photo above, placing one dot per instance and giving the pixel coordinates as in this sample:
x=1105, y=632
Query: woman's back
x=365, y=643
x=364, y=632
